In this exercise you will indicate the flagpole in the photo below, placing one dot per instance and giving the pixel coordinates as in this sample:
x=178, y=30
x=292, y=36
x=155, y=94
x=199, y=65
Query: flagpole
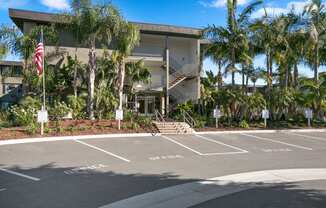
x=43, y=80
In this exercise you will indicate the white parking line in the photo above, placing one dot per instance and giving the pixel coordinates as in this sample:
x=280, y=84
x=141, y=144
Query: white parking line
x=102, y=150
x=182, y=145
x=19, y=174
x=308, y=136
x=2, y=189
x=276, y=141
x=221, y=143
x=203, y=154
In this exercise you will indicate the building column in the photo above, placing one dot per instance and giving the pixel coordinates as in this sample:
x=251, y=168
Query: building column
x=167, y=65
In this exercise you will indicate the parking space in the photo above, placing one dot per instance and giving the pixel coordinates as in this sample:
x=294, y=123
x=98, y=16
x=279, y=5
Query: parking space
x=204, y=146
x=109, y=169
x=311, y=135
x=295, y=139
x=38, y=159
x=141, y=148
x=252, y=144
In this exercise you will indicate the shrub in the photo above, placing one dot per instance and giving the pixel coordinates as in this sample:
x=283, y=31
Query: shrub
x=23, y=116
x=59, y=110
x=243, y=124
x=32, y=128
x=143, y=121
x=77, y=105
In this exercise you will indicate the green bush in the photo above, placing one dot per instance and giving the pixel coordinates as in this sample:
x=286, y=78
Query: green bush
x=244, y=124
x=77, y=105
x=59, y=110
x=143, y=121
x=23, y=116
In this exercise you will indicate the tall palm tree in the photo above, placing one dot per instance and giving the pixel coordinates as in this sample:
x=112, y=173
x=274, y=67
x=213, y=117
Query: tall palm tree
x=96, y=24
x=317, y=29
x=128, y=38
x=232, y=41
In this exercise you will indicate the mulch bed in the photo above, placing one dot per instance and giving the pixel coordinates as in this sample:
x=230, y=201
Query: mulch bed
x=75, y=128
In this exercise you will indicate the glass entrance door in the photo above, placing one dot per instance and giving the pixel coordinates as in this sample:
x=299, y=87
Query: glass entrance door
x=146, y=105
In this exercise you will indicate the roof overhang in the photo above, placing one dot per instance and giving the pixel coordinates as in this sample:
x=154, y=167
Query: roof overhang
x=20, y=16
x=11, y=63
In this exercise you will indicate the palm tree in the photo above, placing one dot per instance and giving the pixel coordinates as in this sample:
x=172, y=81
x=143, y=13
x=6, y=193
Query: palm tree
x=3, y=50
x=96, y=24
x=316, y=21
x=232, y=41
x=128, y=38
x=316, y=91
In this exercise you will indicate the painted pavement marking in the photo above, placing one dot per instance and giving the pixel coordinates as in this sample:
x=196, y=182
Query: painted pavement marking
x=102, y=150
x=221, y=143
x=276, y=141
x=166, y=157
x=204, y=154
x=19, y=174
x=308, y=136
x=2, y=189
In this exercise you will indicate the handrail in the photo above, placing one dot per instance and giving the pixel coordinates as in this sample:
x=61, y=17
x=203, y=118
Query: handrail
x=159, y=117
x=188, y=119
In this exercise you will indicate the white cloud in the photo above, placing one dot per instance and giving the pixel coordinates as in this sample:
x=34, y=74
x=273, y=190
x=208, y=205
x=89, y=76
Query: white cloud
x=56, y=4
x=221, y=3
x=297, y=6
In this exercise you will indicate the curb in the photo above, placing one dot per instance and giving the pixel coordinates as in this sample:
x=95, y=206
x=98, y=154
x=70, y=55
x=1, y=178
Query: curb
x=69, y=138
x=260, y=131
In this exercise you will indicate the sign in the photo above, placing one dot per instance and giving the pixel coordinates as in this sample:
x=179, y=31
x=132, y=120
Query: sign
x=42, y=116
x=265, y=114
x=119, y=115
x=308, y=113
x=217, y=113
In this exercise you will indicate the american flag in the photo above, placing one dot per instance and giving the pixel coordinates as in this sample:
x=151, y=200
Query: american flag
x=38, y=56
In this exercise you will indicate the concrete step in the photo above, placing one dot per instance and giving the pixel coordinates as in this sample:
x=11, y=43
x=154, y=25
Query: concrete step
x=173, y=127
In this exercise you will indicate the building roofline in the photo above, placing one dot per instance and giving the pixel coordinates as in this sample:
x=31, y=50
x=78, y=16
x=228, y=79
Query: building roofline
x=19, y=16
x=11, y=63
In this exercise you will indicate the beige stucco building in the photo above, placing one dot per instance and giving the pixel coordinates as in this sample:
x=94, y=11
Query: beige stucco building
x=10, y=82
x=171, y=53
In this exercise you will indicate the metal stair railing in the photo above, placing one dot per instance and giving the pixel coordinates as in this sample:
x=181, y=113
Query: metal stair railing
x=188, y=119
x=159, y=117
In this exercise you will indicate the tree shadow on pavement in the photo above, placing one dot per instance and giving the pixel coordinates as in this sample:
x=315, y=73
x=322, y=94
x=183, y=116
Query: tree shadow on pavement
x=93, y=187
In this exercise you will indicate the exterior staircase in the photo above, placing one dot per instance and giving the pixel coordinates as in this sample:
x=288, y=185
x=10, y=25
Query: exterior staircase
x=173, y=127
x=175, y=79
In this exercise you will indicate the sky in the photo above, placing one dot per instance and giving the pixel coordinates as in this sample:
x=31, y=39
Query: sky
x=190, y=13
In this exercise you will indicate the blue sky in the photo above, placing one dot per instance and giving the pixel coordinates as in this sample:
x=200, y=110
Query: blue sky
x=192, y=13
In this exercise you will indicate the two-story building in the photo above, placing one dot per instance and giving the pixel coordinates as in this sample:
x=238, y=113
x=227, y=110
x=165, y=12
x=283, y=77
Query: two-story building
x=171, y=53
x=10, y=82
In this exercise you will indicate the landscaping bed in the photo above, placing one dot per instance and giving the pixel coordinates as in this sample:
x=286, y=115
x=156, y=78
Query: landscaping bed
x=75, y=128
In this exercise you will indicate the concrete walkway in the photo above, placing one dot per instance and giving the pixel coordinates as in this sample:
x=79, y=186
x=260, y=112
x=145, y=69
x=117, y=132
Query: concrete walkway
x=190, y=194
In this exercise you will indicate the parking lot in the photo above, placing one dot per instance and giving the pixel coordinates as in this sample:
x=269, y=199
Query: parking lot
x=112, y=172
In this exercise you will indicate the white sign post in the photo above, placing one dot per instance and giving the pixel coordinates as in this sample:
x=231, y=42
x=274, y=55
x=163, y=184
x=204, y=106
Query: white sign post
x=119, y=117
x=42, y=117
x=217, y=114
x=265, y=116
x=308, y=114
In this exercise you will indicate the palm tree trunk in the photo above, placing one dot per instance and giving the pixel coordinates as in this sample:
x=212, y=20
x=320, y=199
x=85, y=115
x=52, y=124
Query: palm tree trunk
x=316, y=63
x=75, y=75
x=286, y=80
x=219, y=75
x=233, y=67
x=267, y=69
x=120, y=84
x=243, y=77
x=91, y=80
x=295, y=75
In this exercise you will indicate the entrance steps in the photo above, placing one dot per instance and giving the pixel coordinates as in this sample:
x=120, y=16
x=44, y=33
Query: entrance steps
x=173, y=127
